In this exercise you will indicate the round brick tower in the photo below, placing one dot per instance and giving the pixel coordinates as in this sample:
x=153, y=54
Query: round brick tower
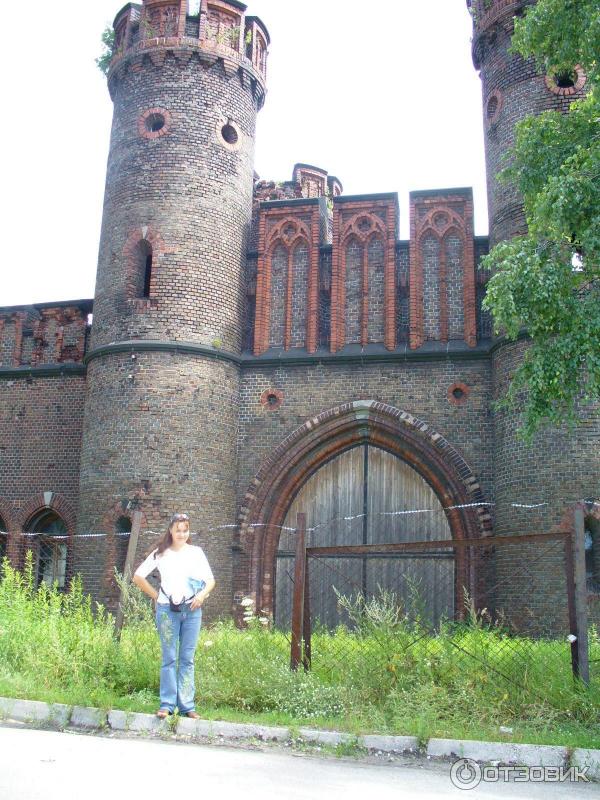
x=512, y=89
x=561, y=466
x=163, y=364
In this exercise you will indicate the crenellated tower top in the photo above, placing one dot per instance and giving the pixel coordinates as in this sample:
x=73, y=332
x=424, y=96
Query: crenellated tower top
x=487, y=14
x=220, y=30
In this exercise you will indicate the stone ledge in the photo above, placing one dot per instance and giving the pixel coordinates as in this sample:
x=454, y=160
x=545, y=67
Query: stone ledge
x=528, y=755
x=326, y=737
x=54, y=714
x=587, y=758
x=83, y=717
x=231, y=730
x=139, y=723
x=390, y=744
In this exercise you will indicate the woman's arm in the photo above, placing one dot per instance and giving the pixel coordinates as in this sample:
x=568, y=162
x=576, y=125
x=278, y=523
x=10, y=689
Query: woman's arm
x=145, y=586
x=202, y=595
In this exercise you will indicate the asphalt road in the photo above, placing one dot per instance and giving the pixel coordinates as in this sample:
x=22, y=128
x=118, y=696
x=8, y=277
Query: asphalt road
x=48, y=765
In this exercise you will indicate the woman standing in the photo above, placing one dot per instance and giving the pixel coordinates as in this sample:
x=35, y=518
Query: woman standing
x=186, y=580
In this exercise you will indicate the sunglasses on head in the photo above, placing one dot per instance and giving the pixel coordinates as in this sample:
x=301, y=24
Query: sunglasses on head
x=180, y=518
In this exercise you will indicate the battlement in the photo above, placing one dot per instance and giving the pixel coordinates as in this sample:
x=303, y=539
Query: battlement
x=328, y=271
x=221, y=29
x=487, y=12
x=487, y=16
x=44, y=333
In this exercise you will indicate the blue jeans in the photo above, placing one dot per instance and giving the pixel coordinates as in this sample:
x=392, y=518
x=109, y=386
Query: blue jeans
x=177, y=631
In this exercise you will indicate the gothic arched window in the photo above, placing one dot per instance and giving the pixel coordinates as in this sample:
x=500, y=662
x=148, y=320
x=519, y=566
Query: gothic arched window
x=50, y=548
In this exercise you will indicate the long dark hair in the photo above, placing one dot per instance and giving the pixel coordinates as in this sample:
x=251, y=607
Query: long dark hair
x=166, y=539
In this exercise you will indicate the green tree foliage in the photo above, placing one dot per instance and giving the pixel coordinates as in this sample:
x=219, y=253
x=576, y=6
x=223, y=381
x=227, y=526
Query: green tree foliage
x=108, y=43
x=548, y=282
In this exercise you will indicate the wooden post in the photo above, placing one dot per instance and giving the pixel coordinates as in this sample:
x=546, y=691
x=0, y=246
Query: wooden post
x=136, y=525
x=298, y=600
x=306, y=626
x=570, y=576
x=581, y=609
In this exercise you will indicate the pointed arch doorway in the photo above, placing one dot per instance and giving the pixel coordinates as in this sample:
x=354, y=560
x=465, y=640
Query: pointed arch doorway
x=357, y=498
x=361, y=461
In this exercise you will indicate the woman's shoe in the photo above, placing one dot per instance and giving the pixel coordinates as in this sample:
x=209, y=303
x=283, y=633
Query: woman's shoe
x=163, y=713
x=193, y=715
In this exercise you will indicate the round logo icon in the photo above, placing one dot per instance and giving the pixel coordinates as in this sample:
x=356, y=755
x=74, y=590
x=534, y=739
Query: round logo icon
x=465, y=773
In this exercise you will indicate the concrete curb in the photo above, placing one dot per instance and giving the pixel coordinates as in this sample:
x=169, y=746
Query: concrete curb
x=587, y=758
x=55, y=715
x=60, y=716
x=528, y=755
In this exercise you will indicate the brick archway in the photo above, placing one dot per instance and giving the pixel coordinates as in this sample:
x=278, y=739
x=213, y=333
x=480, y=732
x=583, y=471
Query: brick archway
x=322, y=438
x=7, y=515
x=49, y=500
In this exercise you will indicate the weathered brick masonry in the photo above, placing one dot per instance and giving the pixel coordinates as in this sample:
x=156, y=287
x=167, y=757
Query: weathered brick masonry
x=246, y=332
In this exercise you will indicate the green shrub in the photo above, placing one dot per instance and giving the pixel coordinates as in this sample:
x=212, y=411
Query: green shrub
x=390, y=673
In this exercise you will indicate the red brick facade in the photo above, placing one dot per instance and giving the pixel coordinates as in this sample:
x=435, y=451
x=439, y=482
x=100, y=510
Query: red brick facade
x=439, y=215
x=247, y=332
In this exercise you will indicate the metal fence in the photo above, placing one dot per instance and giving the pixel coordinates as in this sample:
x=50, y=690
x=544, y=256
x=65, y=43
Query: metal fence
x=508, y=608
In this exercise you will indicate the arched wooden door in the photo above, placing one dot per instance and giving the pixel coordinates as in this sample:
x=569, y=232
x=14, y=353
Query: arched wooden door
x=352, y=500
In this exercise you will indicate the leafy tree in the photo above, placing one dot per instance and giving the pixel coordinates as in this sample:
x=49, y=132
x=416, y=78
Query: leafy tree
x=548, y=282
x=108, y=43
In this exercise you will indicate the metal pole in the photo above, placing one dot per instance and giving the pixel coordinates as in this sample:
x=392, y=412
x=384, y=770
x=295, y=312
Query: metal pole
x=581, y=609
x=570, y=576
x=136, y=524
x=298, y=600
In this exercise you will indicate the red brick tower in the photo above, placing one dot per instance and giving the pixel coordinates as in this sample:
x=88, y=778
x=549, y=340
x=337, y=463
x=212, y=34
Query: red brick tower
x=561, y=466
x=163, y=366
x=512, y=88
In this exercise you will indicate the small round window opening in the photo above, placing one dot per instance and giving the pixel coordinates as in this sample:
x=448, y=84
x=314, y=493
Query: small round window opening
x=271, y=399
x=566, y=82
x=458, y=394
x=493, y=107
x=229, y=134
x=154, y=123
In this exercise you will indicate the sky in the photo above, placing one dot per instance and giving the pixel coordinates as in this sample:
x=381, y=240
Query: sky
x=383, y=96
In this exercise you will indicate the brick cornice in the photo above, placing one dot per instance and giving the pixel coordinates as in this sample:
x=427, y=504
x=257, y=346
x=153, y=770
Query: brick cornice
x=183, y=49
x=157, y=345
x=43, y=371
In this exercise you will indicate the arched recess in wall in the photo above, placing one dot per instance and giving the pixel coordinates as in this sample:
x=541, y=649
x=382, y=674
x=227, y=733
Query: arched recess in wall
x=143, y=250
x=278, y=262
x=51, y=517
x=285, y=277
x=298, y=303
x=353, y=259
x=49, y=548
x=360, y=306
x=453, y=260
x=117, y=524
x=394, y=443
x=431, y=251
x=376, y=281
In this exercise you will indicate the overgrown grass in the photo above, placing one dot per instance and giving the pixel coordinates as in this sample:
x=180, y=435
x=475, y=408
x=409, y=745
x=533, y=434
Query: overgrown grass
x=387, y=675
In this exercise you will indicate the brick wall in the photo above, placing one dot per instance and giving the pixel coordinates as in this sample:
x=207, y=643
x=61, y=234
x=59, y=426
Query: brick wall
x=41, y=422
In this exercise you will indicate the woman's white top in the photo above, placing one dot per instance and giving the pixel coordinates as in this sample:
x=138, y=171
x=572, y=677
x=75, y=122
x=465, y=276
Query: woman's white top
x=181, y=572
